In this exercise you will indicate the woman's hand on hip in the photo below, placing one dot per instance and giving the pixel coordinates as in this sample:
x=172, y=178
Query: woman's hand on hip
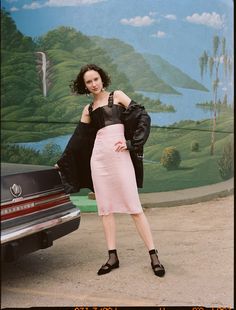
x=120, y=146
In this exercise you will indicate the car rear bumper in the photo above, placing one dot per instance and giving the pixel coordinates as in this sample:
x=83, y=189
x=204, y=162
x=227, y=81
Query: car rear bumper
x=38, y=235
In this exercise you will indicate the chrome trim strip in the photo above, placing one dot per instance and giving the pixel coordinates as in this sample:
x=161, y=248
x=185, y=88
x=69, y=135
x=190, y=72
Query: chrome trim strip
x=24, y=205
x=36, y=212
x=39, y=227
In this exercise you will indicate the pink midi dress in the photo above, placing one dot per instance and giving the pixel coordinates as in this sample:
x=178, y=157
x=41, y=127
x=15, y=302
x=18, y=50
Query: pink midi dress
x=112, y=172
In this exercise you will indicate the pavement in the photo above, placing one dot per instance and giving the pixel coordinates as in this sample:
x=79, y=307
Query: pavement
x=195, y=240
x=195, y=244
x=167, y=199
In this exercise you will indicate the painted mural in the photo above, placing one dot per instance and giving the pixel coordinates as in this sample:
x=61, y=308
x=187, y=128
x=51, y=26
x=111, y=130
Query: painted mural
x=174, y=57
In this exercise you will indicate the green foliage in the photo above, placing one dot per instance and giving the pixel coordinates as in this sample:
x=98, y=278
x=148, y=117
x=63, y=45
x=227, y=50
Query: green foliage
x=11, y=38
x=19, y=78
x=13, y=153
x=51, y=153
x=195, y=146
x=64, y=38
x=17, y=154
x=225, y=100
x=226, y=162
x=170, y=158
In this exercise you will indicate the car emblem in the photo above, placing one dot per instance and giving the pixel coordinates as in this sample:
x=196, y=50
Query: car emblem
x=16, y=190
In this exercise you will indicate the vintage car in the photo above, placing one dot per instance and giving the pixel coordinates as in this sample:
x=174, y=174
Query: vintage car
x=35, y=210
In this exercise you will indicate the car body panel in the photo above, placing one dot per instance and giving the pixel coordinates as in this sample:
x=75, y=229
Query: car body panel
x=35, y=210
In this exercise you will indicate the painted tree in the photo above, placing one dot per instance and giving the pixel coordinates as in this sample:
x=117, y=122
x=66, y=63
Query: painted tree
x=213, y=61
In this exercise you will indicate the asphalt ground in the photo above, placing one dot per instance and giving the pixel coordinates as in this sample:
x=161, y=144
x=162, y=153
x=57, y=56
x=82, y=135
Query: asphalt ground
x=195, y=243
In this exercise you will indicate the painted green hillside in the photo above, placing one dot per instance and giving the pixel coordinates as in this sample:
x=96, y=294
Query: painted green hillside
x=19, y=78
x=171, y=74
x=29, y=116
x=197, y=168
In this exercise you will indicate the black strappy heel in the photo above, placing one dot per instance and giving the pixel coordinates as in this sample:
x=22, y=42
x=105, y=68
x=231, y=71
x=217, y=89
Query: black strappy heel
x=157, y=267
x=112, y=263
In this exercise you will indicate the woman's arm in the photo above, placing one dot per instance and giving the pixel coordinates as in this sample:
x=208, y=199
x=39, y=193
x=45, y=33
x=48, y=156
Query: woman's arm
x=119, y=97
x=85, y=118
x=137, y=127
x=74, y=163
x=137, y=123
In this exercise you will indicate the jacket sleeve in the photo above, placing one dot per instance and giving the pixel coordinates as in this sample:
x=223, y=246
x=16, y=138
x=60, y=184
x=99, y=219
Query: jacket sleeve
x=74, y=164
x=137, y=121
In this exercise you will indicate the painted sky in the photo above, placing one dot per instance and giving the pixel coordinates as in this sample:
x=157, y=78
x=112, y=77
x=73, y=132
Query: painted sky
x=177, y=30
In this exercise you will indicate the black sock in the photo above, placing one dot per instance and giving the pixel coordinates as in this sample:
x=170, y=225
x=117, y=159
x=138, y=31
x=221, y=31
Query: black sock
x=154, y=257
x=113, y=257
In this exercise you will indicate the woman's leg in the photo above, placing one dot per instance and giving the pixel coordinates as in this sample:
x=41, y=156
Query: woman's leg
x=110, y=235
x=144, y=230
x=109, y=227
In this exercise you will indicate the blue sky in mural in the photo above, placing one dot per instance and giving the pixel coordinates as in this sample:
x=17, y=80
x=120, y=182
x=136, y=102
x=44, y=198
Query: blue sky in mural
x=177, y=30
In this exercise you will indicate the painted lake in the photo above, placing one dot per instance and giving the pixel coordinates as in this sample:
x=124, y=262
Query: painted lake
x=185, y=106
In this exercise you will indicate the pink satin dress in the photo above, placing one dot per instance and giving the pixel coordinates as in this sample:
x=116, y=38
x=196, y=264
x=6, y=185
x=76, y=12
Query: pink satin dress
x=113, y=172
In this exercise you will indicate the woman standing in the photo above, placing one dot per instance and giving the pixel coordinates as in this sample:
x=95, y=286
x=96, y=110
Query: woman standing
x=105, y=154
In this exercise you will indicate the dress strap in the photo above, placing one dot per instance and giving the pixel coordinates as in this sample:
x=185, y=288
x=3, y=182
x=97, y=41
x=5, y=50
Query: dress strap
x=110, y=102
x=110, y=99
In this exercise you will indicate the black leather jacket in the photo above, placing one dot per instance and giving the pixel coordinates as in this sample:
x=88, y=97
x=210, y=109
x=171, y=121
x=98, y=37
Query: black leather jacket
x=74, y=164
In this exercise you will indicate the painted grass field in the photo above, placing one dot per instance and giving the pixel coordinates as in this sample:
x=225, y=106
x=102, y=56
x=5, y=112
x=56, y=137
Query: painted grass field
x=197, y=168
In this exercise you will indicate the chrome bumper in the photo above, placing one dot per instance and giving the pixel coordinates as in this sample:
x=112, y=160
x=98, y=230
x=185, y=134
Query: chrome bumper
x=8, y=235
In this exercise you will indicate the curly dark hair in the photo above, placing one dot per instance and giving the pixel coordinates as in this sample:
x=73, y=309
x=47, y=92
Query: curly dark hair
x=78, y=86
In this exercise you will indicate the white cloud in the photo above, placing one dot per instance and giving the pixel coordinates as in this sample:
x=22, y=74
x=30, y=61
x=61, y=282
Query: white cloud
x=32, y=6
x=71, y=2
x=59, y=3
x=138, y=21
x=159, y=34
x=170, y=16
x=14, y=9
x=152, y=13
x=209, y=19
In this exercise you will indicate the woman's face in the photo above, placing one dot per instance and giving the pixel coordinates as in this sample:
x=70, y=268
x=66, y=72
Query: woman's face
x=93, y=82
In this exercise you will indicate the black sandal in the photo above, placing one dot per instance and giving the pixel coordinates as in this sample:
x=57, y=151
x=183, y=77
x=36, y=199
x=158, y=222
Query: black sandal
x=112, y=263
x=157, y=267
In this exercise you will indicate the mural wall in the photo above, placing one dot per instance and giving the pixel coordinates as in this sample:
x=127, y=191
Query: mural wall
x=174, y=57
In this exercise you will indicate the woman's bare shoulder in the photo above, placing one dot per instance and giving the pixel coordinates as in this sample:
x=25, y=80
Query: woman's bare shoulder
x=85, y=118
x=121, y=97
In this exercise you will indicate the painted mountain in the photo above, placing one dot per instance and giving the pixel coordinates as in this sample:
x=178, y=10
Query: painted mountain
x=147, y=72
x=29, y=114
x=171, y=74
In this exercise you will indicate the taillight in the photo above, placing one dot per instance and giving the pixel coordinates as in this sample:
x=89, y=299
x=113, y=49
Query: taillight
x=27, y=206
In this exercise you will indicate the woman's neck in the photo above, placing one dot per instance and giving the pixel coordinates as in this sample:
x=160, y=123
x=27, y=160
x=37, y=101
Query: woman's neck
x=99, y=99
x=100, y=96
